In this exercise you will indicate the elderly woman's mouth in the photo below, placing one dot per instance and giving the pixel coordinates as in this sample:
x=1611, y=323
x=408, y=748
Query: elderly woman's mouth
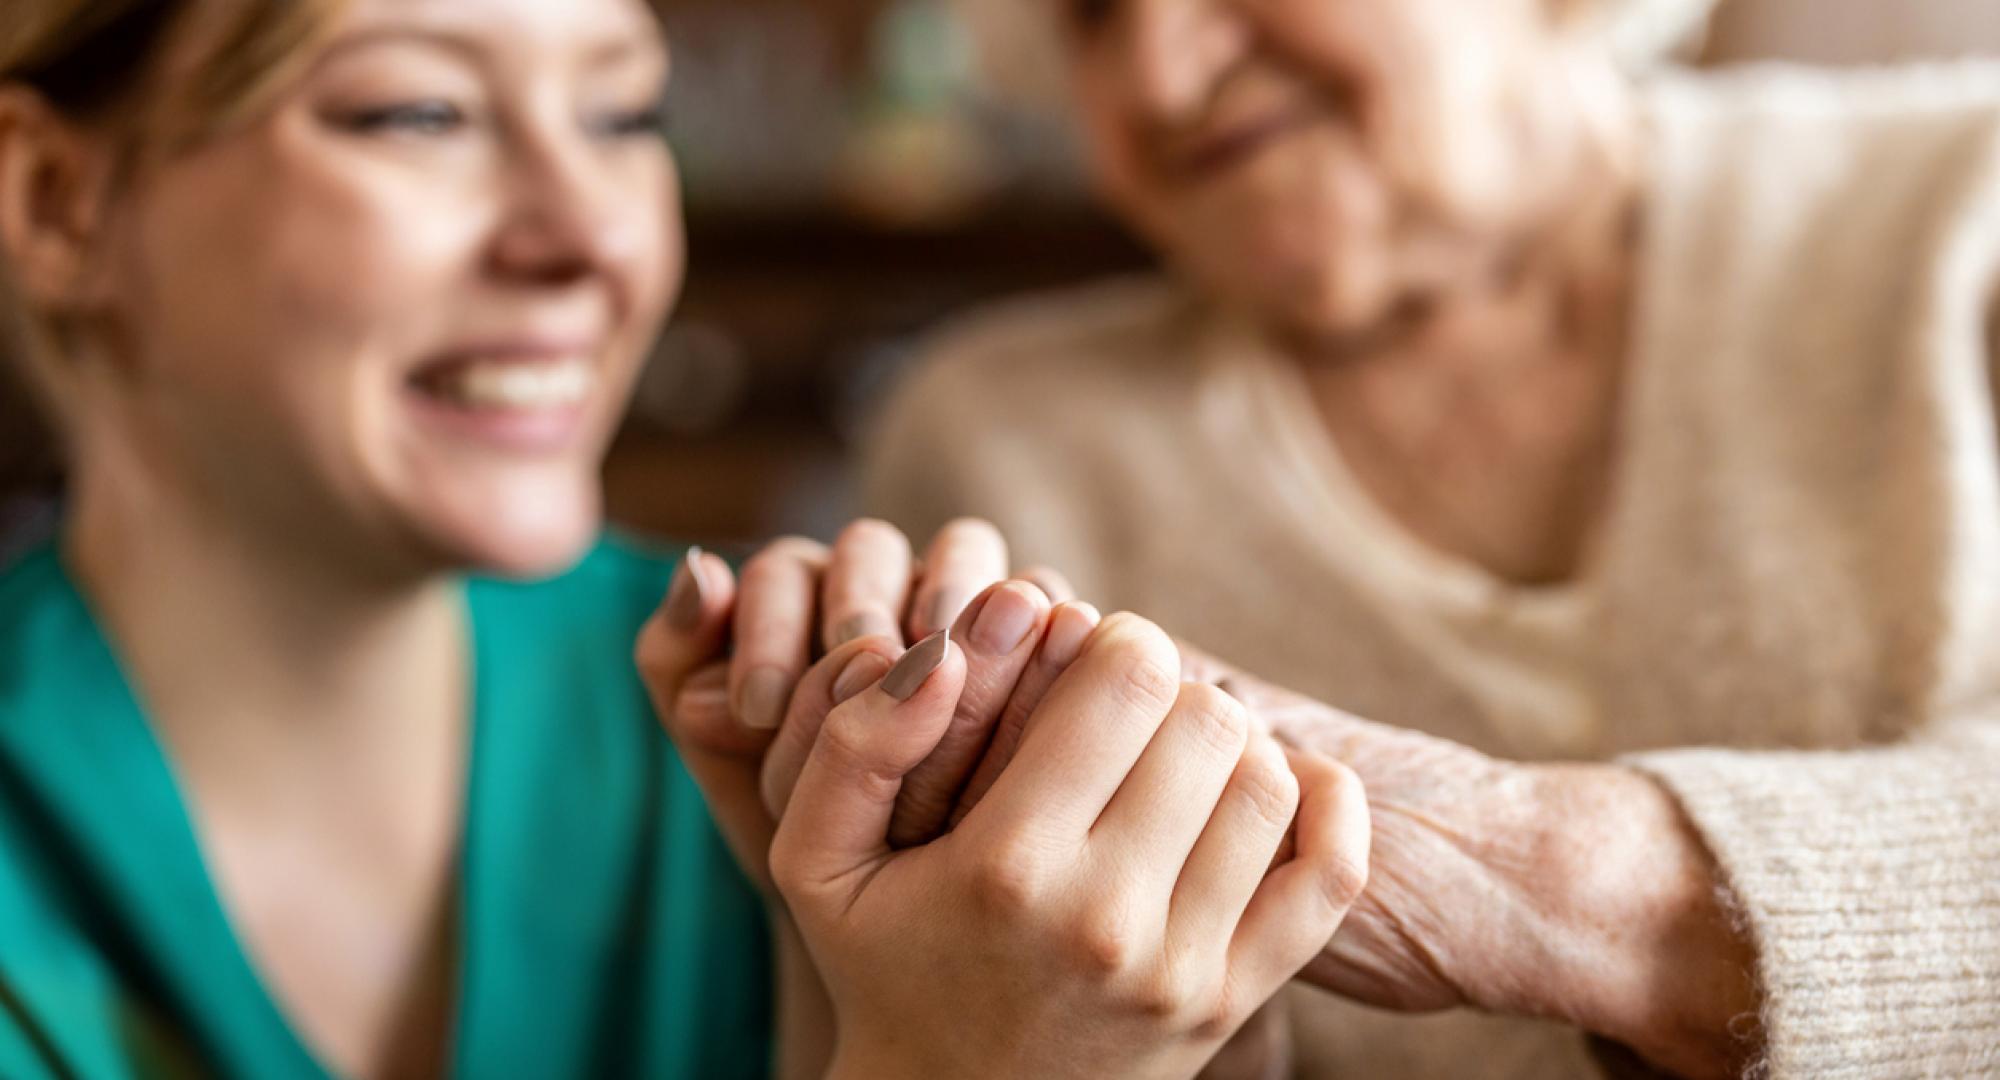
x=1227, y=148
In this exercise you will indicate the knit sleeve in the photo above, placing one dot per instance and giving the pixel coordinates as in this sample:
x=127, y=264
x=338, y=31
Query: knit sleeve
x=1870, y=880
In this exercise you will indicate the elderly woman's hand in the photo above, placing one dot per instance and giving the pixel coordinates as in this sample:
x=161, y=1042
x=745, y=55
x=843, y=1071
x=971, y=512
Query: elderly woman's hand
x=1569, y=892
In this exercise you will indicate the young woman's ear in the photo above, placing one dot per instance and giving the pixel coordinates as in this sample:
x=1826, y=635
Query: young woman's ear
x=54, y=176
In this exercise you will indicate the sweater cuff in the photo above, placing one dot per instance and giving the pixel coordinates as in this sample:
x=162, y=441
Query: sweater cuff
x=1870, y=881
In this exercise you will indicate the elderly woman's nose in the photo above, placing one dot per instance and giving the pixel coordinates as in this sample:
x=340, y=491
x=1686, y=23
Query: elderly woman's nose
x=563, y=217
x=1174, y=52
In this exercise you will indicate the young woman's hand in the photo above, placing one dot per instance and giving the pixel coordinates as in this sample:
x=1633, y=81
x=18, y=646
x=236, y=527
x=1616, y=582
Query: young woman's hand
x=726, y=661
x=717, y=653
x=1104, y=910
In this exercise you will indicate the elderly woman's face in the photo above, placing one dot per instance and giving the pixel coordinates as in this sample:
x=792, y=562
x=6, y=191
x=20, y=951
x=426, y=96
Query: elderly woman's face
x=406, y=306
x=1318, y=161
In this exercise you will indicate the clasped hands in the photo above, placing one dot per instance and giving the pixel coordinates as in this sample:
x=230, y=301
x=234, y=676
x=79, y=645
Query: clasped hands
x=1051, y=845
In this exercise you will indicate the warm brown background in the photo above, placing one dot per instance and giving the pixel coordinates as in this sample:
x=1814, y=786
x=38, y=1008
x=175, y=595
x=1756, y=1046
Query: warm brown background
x=802, y=309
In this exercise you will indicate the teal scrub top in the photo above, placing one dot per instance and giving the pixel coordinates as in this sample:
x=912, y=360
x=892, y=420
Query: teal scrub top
x=604, y=929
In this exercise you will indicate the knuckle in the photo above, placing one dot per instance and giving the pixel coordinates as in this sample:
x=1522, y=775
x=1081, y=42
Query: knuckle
x=1148, y=666
x=1161, y=998
x=1221, y=720
x=1104, y=944
x=851, y=750
x=1177, y=994
x=1010, y=881
x=1344, y=877
x=1146, y=684
x=1267, y=784
x=1140, y=637
x=1214, y=1019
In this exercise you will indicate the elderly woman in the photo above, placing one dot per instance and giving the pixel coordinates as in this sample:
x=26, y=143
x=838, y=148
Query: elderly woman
x=321, y=749
x=1494, y=397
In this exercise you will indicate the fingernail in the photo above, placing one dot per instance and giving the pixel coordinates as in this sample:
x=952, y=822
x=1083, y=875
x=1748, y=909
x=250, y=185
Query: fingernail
x=706, y=695
x=684, y=600
x=764, y=695
x=1072, y=626
x=1003, y=623
x=860, y=673
x=709, y=702
x=917, y=666
x=867, y=624
x=945, y=608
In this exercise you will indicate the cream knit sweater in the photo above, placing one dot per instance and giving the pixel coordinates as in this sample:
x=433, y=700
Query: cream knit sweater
x=1793, y=619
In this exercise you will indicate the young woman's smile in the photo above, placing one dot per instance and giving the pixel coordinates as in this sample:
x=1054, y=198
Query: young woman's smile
x=410, y=297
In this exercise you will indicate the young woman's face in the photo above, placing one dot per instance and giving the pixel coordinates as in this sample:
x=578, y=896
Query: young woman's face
x=1316, y=161
x=406, y=307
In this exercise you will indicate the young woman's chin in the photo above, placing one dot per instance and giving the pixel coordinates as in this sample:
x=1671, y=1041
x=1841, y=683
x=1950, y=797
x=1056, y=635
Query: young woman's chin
x=525, y=527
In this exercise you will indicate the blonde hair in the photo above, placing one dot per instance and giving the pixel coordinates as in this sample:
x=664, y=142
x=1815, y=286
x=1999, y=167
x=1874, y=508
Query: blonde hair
x=100, y=63
x=97, y=60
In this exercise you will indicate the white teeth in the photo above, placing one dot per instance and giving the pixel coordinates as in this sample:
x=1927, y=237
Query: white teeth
x=519, y=386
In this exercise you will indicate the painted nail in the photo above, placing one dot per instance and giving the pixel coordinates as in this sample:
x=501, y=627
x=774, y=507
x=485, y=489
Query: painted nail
x=685, y=599
x=866, y=624
x=709, y=704
x=917, y=666
x=1072, y=627
x=764, y=696
x=1003, y=623
x=945, y=608
x=860, y=673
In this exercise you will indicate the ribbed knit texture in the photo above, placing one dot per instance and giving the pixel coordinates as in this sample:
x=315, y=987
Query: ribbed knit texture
x=1800, y=575
x=1872, y=883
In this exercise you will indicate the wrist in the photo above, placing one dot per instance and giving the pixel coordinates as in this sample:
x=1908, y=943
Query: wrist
x=1635, y=924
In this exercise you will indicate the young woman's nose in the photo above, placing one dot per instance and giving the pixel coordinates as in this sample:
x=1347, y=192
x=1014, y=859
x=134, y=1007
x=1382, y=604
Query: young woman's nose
x=1173, y=53
x=566, y=216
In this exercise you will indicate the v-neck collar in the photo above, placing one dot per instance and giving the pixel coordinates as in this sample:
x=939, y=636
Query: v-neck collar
x=87, y=756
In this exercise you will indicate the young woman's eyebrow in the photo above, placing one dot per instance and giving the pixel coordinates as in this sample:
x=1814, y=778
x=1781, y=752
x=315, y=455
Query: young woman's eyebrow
x=437, y=37
x=612, y=49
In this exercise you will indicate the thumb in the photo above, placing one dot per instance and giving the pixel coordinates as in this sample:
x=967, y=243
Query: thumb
x=836, y=827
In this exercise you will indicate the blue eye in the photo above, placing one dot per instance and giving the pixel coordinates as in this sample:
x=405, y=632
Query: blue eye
x=416, y=118
x=649, y=122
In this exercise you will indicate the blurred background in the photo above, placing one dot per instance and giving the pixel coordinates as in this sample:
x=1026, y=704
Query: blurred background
x=858, y=170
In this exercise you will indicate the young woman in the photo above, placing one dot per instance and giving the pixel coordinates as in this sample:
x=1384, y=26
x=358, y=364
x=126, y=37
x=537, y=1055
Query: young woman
x=335, y=306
